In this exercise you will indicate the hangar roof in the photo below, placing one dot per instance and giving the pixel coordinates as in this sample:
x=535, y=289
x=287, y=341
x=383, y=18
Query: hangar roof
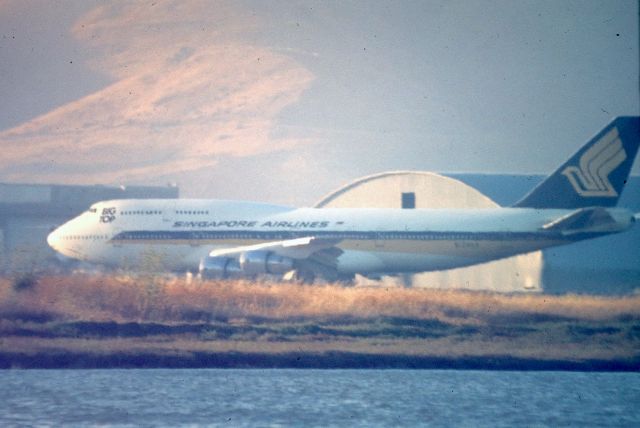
x=383, y=190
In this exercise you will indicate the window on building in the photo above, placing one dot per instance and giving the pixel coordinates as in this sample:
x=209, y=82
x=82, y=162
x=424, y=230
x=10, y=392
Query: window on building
x=408, y=200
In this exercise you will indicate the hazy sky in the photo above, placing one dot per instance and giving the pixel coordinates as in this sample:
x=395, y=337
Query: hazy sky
x=285, y=101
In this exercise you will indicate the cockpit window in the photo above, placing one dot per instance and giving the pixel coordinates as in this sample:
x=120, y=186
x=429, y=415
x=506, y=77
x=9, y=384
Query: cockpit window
x=93, y=210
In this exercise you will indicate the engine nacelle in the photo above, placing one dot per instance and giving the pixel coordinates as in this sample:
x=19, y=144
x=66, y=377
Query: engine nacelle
x=219, y=268
x=250, y=263
x=261, y=262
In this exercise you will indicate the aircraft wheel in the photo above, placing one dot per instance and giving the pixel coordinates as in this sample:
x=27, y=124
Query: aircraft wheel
x=304, y=277
x=347, y=280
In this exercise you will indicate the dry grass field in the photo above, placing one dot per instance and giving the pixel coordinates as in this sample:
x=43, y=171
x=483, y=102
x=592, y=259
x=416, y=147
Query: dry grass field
x=123, y=321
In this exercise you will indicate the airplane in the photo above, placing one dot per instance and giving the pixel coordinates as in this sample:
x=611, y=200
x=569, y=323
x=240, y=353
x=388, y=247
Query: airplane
x=230, y=239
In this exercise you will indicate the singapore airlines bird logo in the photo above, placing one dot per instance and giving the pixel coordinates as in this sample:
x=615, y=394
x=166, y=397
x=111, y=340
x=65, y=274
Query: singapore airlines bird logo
x=592, y=178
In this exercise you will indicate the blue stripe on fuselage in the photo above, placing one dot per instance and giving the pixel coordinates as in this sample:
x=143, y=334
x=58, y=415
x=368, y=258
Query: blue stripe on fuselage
x=200, y=235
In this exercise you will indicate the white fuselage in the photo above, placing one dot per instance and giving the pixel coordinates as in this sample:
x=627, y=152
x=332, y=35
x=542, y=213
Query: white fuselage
x=176, y=234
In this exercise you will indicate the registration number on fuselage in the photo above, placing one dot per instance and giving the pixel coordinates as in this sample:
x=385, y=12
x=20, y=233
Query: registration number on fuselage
x=466, y=244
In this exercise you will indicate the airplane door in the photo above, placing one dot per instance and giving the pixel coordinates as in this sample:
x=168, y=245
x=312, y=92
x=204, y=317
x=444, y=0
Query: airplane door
x=115, y=232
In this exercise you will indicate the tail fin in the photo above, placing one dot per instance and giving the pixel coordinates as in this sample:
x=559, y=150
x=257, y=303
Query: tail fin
x=595, y=175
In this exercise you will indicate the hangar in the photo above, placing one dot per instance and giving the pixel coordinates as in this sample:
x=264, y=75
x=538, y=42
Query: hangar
x=609, y=265
x=28, y=212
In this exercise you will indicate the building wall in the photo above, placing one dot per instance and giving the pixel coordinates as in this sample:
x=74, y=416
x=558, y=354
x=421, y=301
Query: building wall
x=24, y=241
x=24, y=194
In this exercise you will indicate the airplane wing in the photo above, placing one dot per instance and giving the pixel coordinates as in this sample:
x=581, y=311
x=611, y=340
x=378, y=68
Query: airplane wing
x=299, y=248
x=312, y=254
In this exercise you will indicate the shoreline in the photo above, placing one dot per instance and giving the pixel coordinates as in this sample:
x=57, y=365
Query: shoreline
x=331, y=360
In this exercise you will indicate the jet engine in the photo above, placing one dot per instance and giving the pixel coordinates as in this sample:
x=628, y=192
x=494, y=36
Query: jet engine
x=219, y=268
x=259, y=262
x=249, y=264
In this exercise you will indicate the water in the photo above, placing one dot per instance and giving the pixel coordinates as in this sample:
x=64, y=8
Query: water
x=317, y=398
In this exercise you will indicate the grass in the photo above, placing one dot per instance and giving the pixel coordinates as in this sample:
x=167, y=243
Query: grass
x=108, y=316
x=149, y=299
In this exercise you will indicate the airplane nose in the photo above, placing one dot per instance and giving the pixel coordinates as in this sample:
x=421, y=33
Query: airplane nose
x=54, y=239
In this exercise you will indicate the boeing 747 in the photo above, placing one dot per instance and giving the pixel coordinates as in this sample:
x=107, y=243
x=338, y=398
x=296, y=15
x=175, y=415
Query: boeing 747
x=222, y=239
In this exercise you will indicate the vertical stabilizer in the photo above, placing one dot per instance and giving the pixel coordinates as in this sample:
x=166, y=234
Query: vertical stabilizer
x=595, y=175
